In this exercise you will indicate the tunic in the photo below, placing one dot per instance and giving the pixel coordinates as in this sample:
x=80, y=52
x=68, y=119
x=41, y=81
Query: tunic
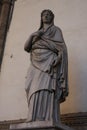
x=45, y=82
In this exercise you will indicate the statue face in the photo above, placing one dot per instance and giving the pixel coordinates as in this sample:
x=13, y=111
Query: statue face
x=47, y=17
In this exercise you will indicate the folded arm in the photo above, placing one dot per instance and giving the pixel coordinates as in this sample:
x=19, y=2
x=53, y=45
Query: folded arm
x=28, y=44
x=34, y=37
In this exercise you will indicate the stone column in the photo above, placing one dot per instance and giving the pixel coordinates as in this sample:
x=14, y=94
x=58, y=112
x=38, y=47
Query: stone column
x=4, y=22
x=0, y=6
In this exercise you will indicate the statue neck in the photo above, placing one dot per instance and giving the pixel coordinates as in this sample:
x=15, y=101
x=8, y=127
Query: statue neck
x=46, y=26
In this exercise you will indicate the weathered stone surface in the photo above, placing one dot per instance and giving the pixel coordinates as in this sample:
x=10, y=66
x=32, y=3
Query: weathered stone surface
x=44, y=125
x=74, y=120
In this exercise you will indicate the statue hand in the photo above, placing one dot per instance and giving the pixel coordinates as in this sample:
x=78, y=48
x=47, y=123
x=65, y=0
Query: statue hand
x=38, y=33
x=36, y=36
x=57, y=60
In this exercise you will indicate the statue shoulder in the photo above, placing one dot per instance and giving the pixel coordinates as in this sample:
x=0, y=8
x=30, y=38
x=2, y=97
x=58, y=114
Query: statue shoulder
x=58, y=28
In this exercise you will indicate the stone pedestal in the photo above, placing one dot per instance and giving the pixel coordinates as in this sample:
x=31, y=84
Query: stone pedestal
x=39, y=125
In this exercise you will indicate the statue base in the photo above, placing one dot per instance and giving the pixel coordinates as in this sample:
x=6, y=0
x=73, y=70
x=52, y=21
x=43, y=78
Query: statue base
x=39, y=125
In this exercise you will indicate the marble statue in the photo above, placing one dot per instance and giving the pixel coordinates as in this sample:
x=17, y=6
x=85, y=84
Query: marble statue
x=47, y=78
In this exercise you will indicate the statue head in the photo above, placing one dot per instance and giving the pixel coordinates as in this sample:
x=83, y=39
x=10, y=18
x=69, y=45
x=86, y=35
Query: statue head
x=50, y=17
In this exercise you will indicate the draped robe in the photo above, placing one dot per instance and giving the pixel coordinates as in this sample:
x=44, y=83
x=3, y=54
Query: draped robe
x=47, y=85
